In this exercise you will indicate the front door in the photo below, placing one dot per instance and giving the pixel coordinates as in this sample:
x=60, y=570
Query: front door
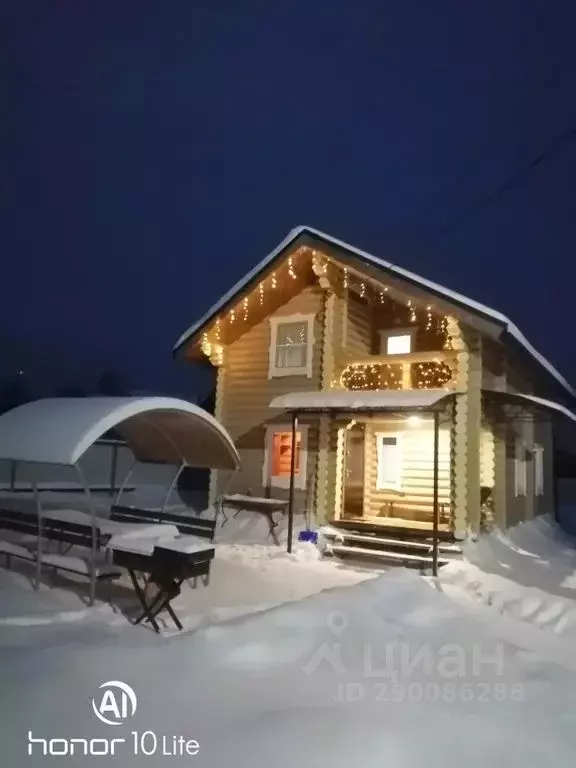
x=354, y=472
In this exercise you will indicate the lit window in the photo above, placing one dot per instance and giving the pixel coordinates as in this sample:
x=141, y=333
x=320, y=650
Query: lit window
x=278, y=457
x=291, y=345
x=520, y=474
x=538, y=469
x=282, y=453
x=389, y=455
x=396, y=342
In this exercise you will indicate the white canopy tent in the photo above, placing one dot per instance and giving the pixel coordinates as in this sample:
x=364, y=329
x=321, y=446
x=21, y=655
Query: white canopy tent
x=157, y=429
x=164, y=430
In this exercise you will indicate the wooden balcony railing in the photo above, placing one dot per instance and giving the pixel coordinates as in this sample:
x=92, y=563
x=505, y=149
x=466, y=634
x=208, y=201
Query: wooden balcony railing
x=418, y=370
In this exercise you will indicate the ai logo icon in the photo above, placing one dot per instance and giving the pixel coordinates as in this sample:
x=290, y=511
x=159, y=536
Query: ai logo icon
x=117, y=704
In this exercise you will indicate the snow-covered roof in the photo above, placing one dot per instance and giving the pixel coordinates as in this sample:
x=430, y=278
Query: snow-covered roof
x=361, y=400
x=457, y=298
x=157, y=429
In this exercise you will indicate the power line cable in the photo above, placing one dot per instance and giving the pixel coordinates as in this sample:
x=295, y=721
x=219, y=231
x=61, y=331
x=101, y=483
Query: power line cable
x=513, y=181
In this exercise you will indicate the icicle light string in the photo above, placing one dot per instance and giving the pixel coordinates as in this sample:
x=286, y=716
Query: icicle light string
x=431, y=322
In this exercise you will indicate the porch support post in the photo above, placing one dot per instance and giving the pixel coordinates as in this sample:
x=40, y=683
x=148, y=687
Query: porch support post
x=291, y=490
x=435, y=509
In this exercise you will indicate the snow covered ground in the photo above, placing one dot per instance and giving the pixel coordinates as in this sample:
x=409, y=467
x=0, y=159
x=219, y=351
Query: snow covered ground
x=296, y=660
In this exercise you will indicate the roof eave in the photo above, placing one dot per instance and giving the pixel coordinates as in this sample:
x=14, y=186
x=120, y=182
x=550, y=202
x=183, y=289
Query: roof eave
x=500, y=322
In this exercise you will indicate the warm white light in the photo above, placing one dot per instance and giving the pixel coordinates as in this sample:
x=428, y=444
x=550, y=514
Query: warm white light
x=400, y=344
x=413, y=421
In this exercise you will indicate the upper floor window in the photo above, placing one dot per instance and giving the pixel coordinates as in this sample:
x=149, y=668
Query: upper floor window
x=397, y=342
x=291, y=346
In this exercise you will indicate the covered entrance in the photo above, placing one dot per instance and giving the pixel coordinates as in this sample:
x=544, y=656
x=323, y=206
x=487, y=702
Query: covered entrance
x=388, y=453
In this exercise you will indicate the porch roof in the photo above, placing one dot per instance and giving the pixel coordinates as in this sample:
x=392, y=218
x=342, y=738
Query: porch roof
x=343, y=400
x=530, y=403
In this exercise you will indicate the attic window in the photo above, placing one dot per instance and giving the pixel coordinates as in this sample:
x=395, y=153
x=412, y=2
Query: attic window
x=291, y=346
x=397, y=342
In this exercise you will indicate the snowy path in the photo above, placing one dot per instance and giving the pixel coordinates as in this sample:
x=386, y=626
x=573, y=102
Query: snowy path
x=349, y=667
x=264, y=690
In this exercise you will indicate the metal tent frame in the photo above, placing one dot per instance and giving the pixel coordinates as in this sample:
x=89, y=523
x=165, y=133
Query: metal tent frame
x=59, y=431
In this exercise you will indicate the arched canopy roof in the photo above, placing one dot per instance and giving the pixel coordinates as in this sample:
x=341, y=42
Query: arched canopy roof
x=157, y=429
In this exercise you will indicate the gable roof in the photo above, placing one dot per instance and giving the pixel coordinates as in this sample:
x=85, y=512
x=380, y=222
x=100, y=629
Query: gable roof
x=494, y=315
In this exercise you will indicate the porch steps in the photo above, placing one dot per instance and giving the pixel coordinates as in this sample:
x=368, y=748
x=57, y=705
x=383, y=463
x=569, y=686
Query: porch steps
x=376, y=542
x=391, y=558
x=389, y=545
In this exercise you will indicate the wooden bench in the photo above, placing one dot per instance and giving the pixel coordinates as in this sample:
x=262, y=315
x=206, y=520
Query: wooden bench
x=61, y=531
x=188, y=525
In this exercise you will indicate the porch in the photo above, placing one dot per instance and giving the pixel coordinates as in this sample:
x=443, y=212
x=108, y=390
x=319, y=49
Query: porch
x=388, y=466
x=387, y=456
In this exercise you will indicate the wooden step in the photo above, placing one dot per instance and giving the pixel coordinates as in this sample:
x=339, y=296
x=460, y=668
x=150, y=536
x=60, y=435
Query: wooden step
x=402, y=530
x=397, y=558
x=392, y=542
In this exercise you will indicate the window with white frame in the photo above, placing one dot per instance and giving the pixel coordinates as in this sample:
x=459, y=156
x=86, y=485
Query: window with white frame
x=397, y=342
x=520, y=469
x=538, y=469
x=278, y=456
x=291, y=346
x=389, y=458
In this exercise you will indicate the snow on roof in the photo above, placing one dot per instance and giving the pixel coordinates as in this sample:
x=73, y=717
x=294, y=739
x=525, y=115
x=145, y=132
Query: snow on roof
x=361, y=400
x=157, y=429
x=441, y=290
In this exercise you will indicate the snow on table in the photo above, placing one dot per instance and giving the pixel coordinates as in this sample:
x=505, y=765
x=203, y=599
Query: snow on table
x=111, y=527
x=260, y=501
x=186, y=545
x=145, y=545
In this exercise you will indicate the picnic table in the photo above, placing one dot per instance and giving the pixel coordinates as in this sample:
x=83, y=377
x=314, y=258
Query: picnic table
x=260, y=504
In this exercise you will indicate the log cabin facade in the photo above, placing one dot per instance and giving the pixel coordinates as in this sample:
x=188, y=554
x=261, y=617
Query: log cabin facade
x=323, y=323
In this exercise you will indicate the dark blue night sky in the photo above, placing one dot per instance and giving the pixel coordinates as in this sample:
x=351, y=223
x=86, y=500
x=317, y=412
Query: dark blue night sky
x=154, y=151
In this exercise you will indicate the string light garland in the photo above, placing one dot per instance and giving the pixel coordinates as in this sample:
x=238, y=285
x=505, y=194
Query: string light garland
x=431, y=375
x=370, y=376
x=435, y=326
